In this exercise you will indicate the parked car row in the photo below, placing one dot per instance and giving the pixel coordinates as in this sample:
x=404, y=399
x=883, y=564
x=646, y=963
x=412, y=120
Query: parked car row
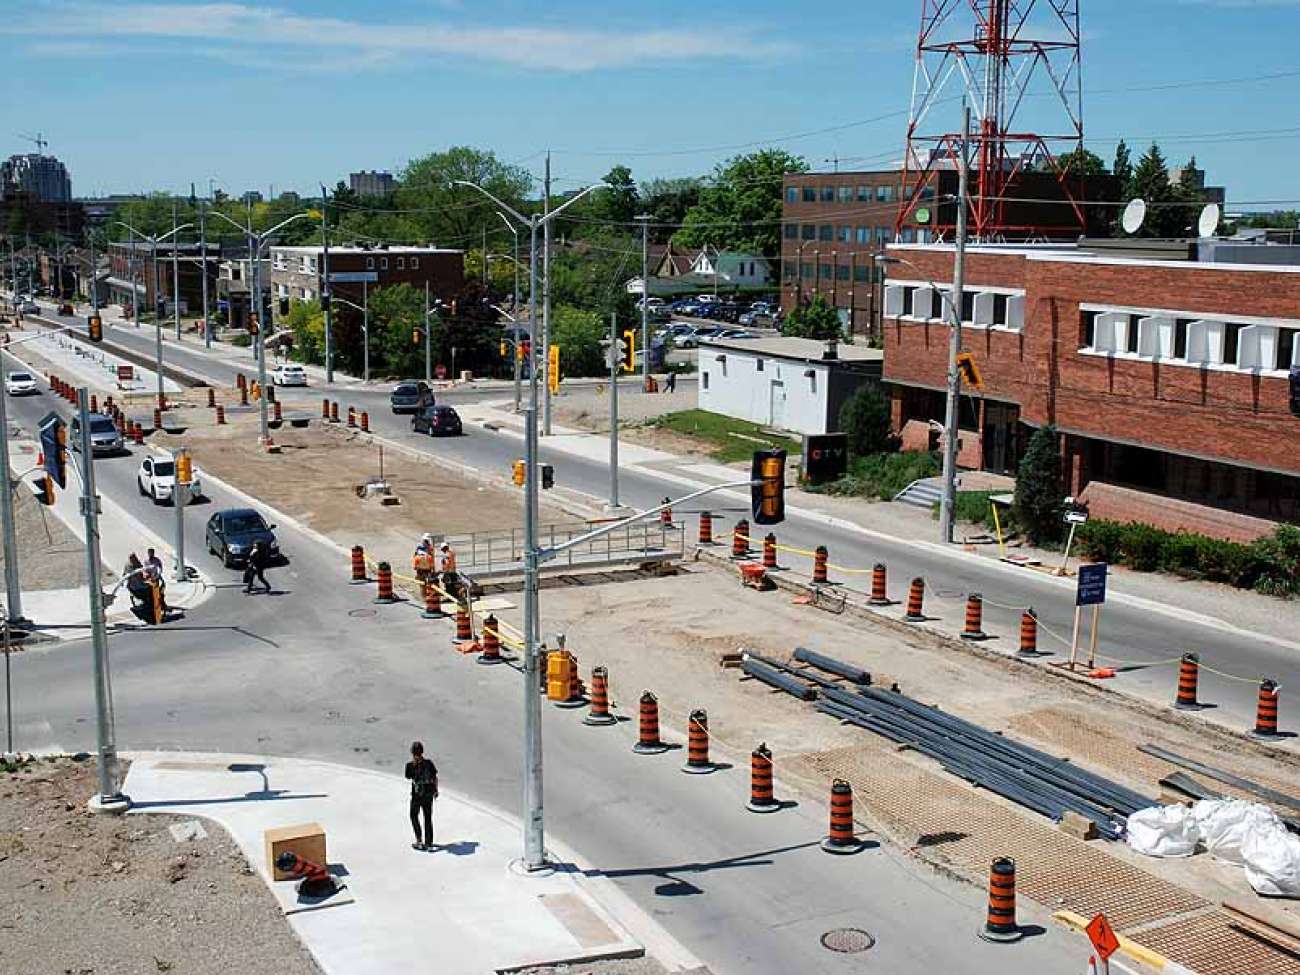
x=713, y=307
x=684, y=335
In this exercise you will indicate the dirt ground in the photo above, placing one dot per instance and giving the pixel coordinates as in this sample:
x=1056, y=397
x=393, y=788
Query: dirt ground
x=667, y=635
x=315, y=476
x=82, y=894
x=51, y=557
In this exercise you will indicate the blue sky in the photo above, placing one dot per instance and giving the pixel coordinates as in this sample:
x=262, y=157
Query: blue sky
x=138, y=96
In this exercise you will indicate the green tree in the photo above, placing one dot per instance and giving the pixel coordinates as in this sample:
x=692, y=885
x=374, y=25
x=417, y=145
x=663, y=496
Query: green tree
x=619, y=201
x=815, y=319
x=579, y=333
x=306, y=321
x=1039, y=497
x=741, y=210
x=396, y=313
x=592, y=274
x=865, y=418
x=668, y=201
x=1168, y=209
x=1123, y=169
x=452, y=215
x=1081, y=162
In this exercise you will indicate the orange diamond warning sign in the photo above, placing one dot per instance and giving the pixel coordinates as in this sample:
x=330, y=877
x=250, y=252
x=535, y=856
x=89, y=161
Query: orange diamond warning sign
x=1102, y=936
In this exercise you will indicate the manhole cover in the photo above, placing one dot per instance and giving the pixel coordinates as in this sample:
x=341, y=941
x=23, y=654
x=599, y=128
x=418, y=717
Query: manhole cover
x=847, y=940
x=362, y=613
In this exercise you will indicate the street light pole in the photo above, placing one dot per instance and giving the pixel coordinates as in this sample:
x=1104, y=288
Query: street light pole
x=157, y=314
x=176, y=275
x=948, y=498
x=645, y=302
x=428, y=338
x=203, y=258
x=13, y=586
x=325, y=283
x=614, y=362
x=365, y=328
x=546, y=300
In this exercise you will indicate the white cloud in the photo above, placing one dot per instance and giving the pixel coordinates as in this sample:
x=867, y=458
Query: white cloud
x=232, y=29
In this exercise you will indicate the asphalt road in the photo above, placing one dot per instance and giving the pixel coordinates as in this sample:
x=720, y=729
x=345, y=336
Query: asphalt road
x=317, y=670
x=1137, y=634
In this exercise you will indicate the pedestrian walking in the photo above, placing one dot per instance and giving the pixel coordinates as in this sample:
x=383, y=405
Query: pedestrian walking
x=670, y=384
x=136, y=583
x=259, y=559
x=153, y=574
x=424, y=789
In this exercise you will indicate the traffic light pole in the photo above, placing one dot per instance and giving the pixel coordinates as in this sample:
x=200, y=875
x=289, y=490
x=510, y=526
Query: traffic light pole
x=178, y=502
x=428, y=339
x=109, y=799
x=325, y=283
x=948, y=497
x=13, y=588
x=613, y=412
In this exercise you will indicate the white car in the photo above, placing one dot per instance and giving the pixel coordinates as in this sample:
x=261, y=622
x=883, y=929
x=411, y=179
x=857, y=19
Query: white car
x=29, y=308
x=156, y=479
x=21, y=384
x=289, y=374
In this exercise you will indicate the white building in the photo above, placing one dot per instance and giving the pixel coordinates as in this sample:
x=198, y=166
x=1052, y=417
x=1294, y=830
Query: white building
x=791, y=384
x=732, y=269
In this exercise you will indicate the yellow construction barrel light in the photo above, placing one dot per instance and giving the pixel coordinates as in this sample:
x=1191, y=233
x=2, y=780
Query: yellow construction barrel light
x=519, y=473
x=767, y=487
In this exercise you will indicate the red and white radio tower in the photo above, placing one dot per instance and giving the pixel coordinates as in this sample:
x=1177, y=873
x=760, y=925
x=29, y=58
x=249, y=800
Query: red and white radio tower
x=1017, y=64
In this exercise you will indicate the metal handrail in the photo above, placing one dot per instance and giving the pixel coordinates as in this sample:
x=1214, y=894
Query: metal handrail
x=498, y=550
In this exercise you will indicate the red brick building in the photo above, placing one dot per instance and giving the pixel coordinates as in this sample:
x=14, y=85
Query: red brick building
x=1168, y=379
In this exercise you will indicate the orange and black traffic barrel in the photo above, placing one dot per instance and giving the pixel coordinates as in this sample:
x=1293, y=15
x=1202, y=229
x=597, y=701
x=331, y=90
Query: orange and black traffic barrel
x=706, y=528
x=1000, y=925
x=1266, y=711
x=464, y=631
x=648, y=742
x=358, y=565
x=385, y=579
x=974, y=629
x=697, y=743
x=769, y=551
x=821, y=556
x=599, y=713
x=840, y=838
x=491, y=642
x=879, y=593
x=1189, y=671
x=1028, y=634
x=915, y=598
x=761, y=799
x=432, y=602
x=740, y=539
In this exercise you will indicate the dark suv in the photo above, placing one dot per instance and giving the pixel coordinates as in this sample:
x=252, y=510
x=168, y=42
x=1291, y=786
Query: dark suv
x=231, y=534
x=410, y=395
x=437, y=421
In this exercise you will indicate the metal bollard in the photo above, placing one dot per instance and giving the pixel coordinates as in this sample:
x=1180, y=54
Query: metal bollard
x=974, y=618
x=697, y=743
x=915, y=595
x=1000, y=925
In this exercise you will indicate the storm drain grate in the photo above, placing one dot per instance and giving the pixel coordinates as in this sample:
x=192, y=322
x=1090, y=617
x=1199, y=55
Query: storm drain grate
x=847, y=940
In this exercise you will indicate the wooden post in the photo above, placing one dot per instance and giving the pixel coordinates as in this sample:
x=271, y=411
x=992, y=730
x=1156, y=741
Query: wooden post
x=1065, y=559
x=1074, y=638
x=1092, y=640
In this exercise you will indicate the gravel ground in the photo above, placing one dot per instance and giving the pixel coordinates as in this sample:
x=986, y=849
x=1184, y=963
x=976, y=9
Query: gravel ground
x=51, y=556
x=82, y=894
x=588, y=407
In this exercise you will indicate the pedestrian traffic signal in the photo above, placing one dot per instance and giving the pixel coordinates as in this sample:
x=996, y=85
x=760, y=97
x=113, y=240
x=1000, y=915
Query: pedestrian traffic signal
x=415, y=336
x=767, y=487
x=54, y=448
x=553, y=369
x=184, y=469
x=518, y=473
x=45, y=489
x=284, y=306
x=970, y=372
x=548, y=477
x=526, y=350
x=95, y=328
x=627, y=350
x=252, y=323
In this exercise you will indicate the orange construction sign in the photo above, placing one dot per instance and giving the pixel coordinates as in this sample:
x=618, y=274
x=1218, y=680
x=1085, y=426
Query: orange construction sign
x=1102, y=936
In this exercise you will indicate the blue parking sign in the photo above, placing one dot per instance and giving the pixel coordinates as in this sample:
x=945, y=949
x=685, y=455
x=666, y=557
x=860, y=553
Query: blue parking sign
x=1092, y=584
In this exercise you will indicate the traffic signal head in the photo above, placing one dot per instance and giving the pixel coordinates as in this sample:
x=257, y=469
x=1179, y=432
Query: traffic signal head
x=184, y=469
x=767, y=487
x=627, y=351
x=54, y=448
x=95, y=328
x=548, y=477
x=415, y=336
x=284, y=305
x=252, y=323
x=970, y=373
x=518, y=473
x=503, y=348
x=46, y=493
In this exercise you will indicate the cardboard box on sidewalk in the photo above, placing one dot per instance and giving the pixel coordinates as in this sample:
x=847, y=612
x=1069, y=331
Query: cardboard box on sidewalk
x=306, y=839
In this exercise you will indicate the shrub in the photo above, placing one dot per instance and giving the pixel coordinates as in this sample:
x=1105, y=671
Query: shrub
x=882, y=475
x=813, y=320
x=865, y=418
x=1279, y=562
x=1039, y=498
x=975, y=507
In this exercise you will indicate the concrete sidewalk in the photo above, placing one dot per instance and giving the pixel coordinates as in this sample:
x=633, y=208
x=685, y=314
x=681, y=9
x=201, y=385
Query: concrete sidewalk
x=464, y=908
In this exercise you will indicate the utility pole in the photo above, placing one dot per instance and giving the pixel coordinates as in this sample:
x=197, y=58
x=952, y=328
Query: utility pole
x=94, y=277
x=428, y=338
x=365, y=329
x=485, y=261
x=13, y=588
x=264, y=425
x=614, y=363
x=178, y=502
x=325, y=283
x=176, y=273
x=546, y=301
x=645, y=302
x=109, y=798
x=948, y=499
x=203, y=264
x=157, y=323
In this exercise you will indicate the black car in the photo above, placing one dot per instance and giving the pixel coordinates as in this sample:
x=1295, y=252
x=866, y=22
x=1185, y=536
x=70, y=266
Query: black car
x=437, y=421
x=410, y=395
x=231, y=534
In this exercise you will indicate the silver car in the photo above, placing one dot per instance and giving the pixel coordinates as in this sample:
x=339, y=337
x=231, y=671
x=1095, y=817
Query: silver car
x=104, y=435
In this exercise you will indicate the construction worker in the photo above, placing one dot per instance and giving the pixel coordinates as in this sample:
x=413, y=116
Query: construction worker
x=448, y=567
x=423, y=561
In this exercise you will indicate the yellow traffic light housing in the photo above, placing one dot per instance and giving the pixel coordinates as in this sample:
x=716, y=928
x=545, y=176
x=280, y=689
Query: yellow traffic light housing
x=415, y=336
x=970, y=373
x=627, y=354
x=518, y=473
x=767, y=487
x=46, y=493
x=184, y=469
x=502, y=349
x=95, y=328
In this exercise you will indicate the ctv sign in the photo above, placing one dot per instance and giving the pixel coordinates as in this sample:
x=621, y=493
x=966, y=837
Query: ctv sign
x=825, y=457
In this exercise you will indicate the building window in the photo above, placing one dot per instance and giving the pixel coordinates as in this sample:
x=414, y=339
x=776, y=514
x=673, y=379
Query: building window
x=806, y=271
x=846, y=234
x=1286, y=348
x=826, y=231
x=401, y=264
x=882, y=236
x=908, y=235
x=383, y=263
x=1088, y=329
x=788, y=271
x=884, y=194
x=306, y=294
x=861, y=273
x=808, y=231
x=864, y=194
x=704, y=380
x=791, y=232
x=809, y=194
x=758, y=365
x=827, y=271
x=842, y=272
x=828, y=194
x=370, y=263
x=845, y=194
x=863, y=235
x=1231, y=342
x=415, y=264
x=792, y=194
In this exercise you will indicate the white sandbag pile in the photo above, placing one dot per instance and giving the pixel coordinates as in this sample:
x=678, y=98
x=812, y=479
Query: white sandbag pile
x=1245, y=833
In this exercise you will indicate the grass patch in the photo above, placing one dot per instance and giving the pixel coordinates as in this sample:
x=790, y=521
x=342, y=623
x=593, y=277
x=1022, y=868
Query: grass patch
x=974, y=507
x=882, y=476
x=719, y=433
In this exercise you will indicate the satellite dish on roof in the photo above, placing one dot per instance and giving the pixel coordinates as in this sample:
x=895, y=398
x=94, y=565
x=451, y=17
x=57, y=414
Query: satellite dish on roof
x=1134, y=214
x=1209, y=222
